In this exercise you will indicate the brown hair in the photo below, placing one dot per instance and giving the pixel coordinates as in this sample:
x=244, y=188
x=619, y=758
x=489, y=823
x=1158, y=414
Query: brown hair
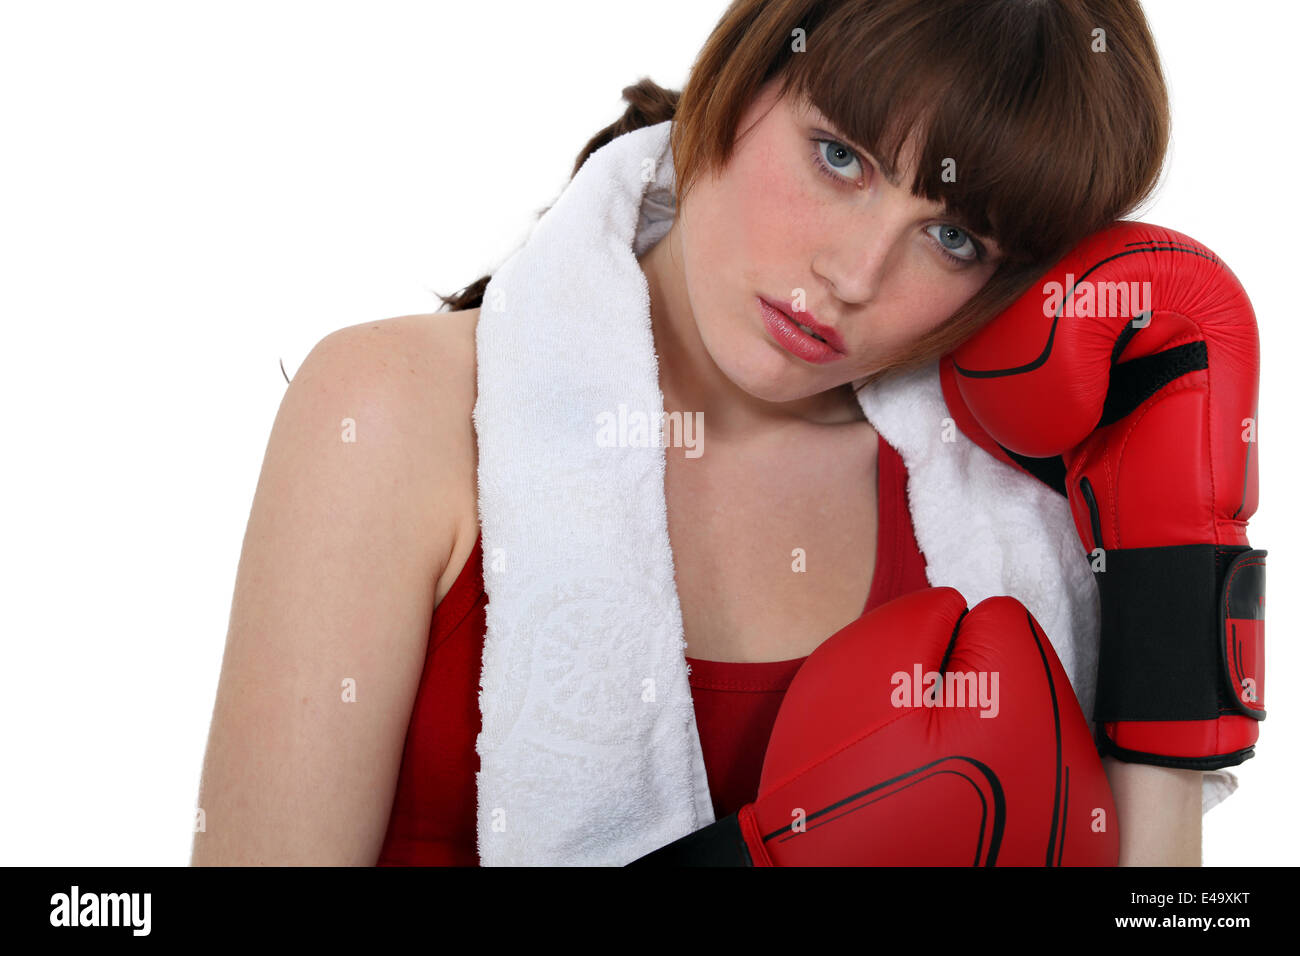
x=1055, y=111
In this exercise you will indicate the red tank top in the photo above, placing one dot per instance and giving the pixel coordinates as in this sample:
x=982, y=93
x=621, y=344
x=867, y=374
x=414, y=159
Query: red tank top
x=432, y=822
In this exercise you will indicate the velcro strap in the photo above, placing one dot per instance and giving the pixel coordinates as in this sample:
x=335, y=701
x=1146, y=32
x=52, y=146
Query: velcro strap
x=1182, y=633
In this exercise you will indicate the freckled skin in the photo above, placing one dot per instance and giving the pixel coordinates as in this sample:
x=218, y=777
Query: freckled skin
x=865, y=252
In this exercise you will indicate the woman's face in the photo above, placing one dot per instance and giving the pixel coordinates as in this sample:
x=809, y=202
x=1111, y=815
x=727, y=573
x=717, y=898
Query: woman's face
x=798, y=218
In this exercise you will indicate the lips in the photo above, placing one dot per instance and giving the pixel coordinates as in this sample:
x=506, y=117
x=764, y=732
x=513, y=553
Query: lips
x=806, y=319
x=786, y=333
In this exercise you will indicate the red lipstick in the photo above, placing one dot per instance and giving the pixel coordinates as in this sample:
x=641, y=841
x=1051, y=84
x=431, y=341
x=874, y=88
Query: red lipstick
x=807, y=318
x=786, y=332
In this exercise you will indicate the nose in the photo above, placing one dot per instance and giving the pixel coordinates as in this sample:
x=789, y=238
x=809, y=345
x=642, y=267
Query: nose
x=859, y=253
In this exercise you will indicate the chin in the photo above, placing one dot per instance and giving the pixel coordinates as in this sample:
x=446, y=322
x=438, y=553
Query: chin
x=768, y=375
x=760, y=367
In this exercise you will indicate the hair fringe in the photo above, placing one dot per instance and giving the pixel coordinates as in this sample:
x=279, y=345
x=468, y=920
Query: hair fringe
x=1057, y=137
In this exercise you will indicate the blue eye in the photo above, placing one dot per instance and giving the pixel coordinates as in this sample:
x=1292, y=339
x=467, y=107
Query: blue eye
x=959, y=241
x=840, y=156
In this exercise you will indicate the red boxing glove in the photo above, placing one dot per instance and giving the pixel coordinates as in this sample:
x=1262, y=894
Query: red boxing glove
x=923, y=734
x=1128, y=380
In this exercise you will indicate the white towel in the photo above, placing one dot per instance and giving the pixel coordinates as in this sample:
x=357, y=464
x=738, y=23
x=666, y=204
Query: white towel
x=589, y=749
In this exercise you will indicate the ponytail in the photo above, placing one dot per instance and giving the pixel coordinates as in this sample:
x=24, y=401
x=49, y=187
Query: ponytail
x=648, y=105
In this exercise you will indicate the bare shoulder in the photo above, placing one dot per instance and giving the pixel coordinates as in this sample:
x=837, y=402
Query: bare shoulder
x=425, y=367
x=354, y=519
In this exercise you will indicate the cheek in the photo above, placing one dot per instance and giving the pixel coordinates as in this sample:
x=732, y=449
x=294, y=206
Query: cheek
x=771, y=213
x=736, y=236
x=928, y=302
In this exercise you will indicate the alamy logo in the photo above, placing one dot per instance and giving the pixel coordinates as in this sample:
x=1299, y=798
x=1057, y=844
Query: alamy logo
x=631, y=428
x=101, y=909
x=953, y=689
x=1098, y=300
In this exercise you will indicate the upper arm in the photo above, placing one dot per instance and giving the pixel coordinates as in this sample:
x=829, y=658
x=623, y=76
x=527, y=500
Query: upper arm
x=1159, y=813
x=333, y=595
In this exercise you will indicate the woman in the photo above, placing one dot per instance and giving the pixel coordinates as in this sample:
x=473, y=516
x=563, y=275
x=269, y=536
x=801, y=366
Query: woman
x=898, y=173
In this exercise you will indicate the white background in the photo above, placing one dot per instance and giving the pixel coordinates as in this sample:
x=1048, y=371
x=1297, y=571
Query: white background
x=192, y=192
